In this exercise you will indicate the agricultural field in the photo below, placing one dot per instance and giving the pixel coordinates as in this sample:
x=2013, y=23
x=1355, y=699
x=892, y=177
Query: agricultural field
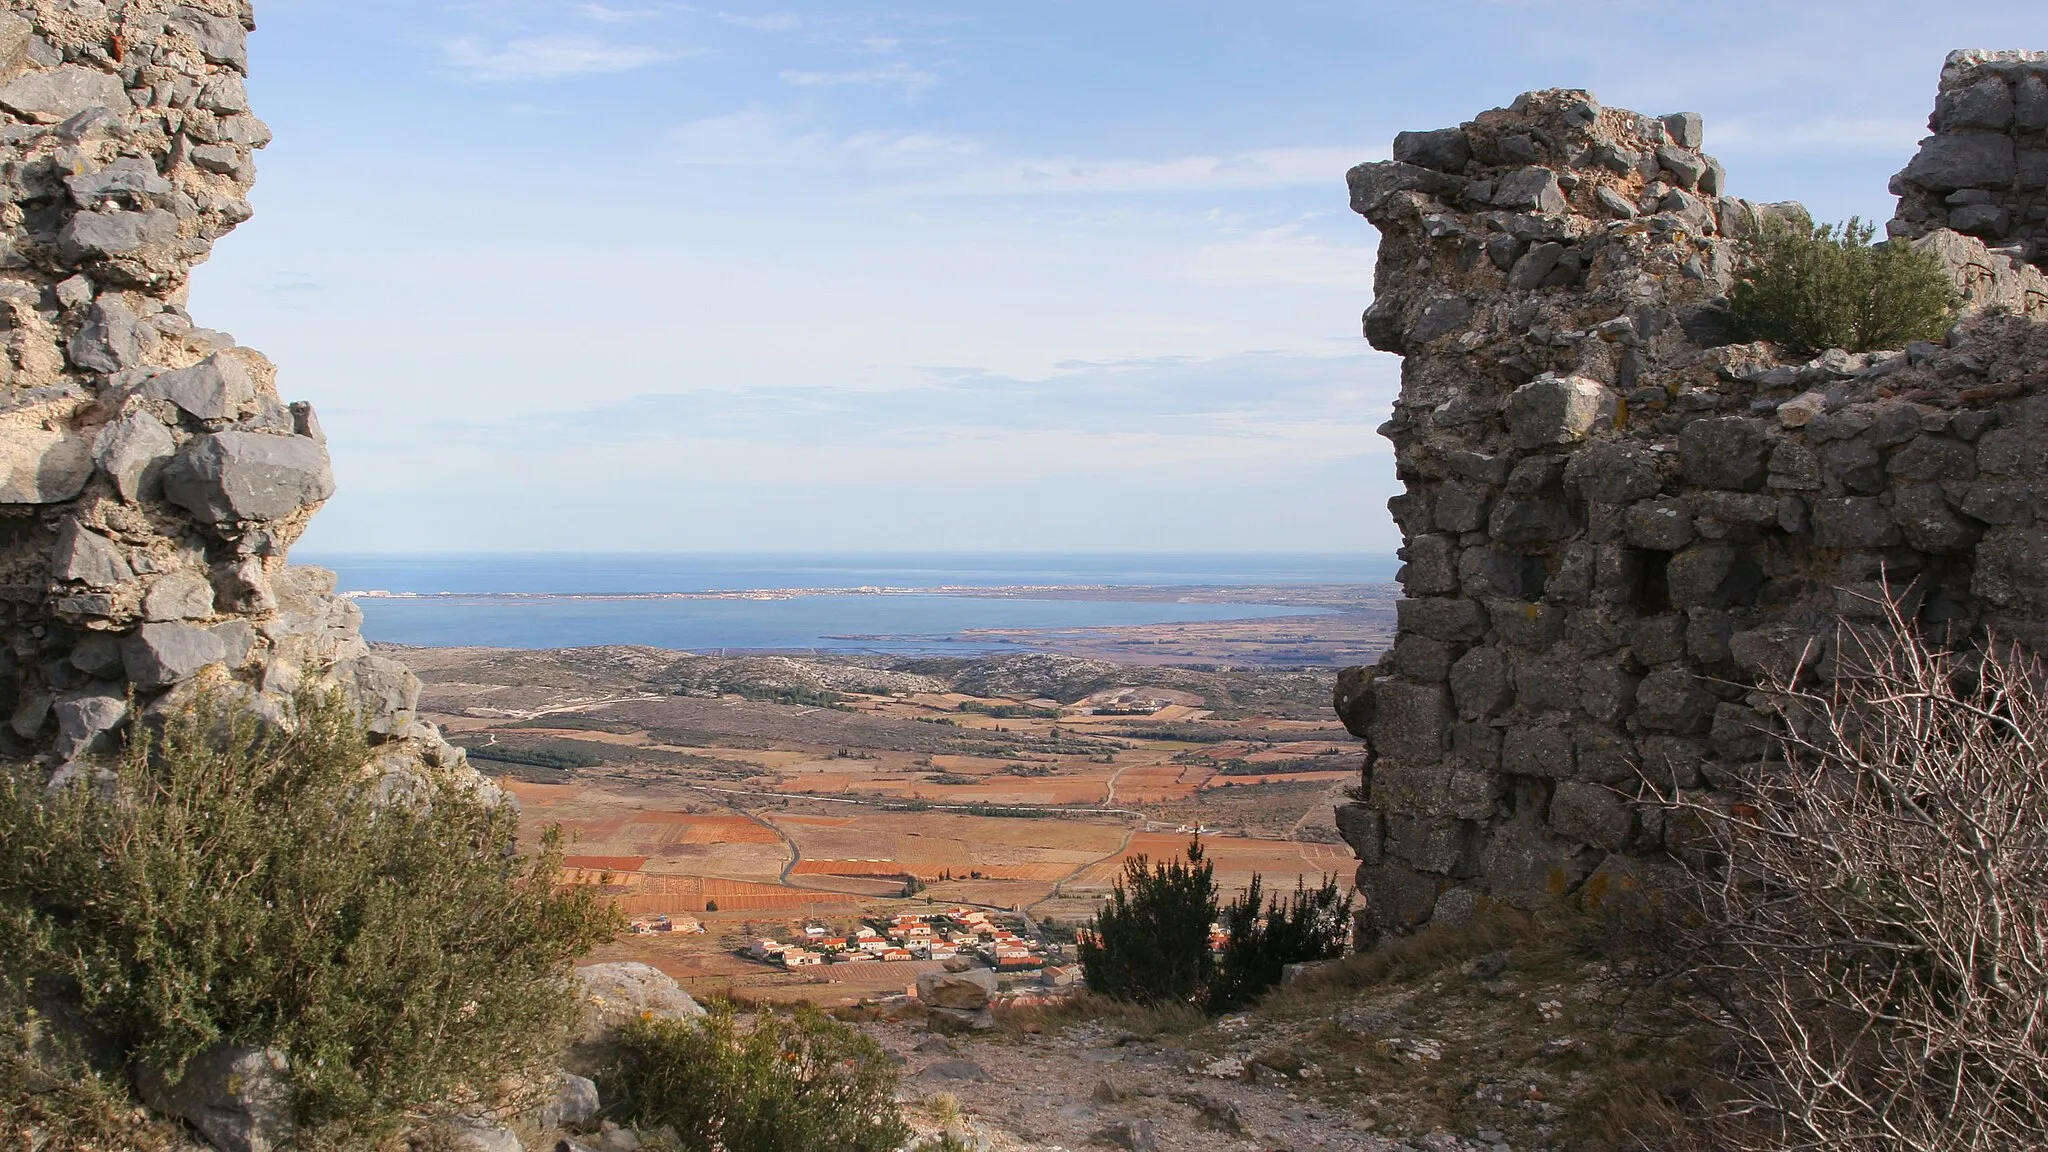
x=753, y=795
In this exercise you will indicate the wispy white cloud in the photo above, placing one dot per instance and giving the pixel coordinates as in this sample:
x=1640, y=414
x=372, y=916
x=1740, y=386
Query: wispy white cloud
x=899, y=75
x=607, y=14
x=548, y=57
x=766, y=21
x=763, y=137
x=1261, y=168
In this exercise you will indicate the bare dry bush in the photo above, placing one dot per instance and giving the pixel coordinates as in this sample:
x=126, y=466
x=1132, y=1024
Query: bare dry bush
x=1877, y=925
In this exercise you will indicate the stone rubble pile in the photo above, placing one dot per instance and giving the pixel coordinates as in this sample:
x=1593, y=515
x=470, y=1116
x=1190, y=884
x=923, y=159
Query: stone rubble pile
x=151, y=480
x=1617, y=518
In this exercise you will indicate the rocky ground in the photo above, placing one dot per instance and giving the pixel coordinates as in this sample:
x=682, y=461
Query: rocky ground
x=1491, y=1037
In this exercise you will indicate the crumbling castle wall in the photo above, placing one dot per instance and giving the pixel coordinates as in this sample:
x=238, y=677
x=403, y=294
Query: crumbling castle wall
x=1984, y=172
x=151, y=480
x=1618, y=518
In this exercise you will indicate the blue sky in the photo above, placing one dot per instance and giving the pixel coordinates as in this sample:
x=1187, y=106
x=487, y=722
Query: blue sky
x=656, y=276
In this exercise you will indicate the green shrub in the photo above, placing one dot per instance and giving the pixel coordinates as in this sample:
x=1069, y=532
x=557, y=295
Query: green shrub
x=792, y=1083
x=1266, y=937
x=1151, y=943
x=1810, y=288
x=249, y=887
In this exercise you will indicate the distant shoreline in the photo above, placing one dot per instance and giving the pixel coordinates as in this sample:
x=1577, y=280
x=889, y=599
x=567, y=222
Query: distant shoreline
x=1330, y=597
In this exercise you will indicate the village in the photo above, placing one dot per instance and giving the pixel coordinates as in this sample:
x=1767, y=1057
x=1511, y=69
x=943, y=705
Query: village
x=992, y=938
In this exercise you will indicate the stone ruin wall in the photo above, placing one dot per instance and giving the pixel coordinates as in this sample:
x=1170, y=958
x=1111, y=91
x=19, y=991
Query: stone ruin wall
x=1617, y=517
x=151, y=480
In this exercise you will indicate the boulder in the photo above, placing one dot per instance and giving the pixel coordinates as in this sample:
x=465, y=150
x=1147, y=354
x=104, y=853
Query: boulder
x=234, y=476
x=959, y=1021
x=966, y=990
x=574, y=1105
x=620, y=993
x=238, y=1097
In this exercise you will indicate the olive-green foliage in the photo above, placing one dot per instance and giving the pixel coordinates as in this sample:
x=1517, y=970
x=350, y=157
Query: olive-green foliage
x=248, y=886
x=1314, y=924
x=1151, y=943
x=1809, y=288
x=792, y=1083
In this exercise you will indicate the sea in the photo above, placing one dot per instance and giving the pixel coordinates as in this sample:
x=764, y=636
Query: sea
x=543, y=600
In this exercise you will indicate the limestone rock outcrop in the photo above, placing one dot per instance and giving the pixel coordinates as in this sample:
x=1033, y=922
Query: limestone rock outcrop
x=1618, y=518
x=151, y=479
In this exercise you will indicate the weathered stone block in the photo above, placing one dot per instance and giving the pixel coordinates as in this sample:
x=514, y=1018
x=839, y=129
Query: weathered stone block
x=1411, y=787
x=182, y=595
x=42, y=467
x=1552, y=410
x=1616, y=473
x=216, y=388
x=1853, y=522
x=1523, y=624
x=1607, y=691
x=1531, y=189
x=1456, y=621
x=1461, y=507
x=1423, y=659
x=1671, y=700
x=1444, y=150
x=1922, y=512
x=1591, y=814
x=229, y=477
x=160, y=655
x=1537, y=751
x=1364, y=829
x=2012, y=569
x=1412, y=719
x=1604, y=755
x=88, y=558
x=1725, y=452
x=1398, y=898
x=1547, y=681
x=1528, y=868
x=133, y=452
x=1433, y=844
x=1353, y=700
x=1432, y=566
x=1739, y=734
x=1971, y=160
x=1479, y=684
x=57, y=95
x=1662, y=525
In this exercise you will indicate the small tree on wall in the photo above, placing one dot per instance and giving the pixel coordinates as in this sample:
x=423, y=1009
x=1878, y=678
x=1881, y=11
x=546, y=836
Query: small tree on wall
x=1813, y=287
